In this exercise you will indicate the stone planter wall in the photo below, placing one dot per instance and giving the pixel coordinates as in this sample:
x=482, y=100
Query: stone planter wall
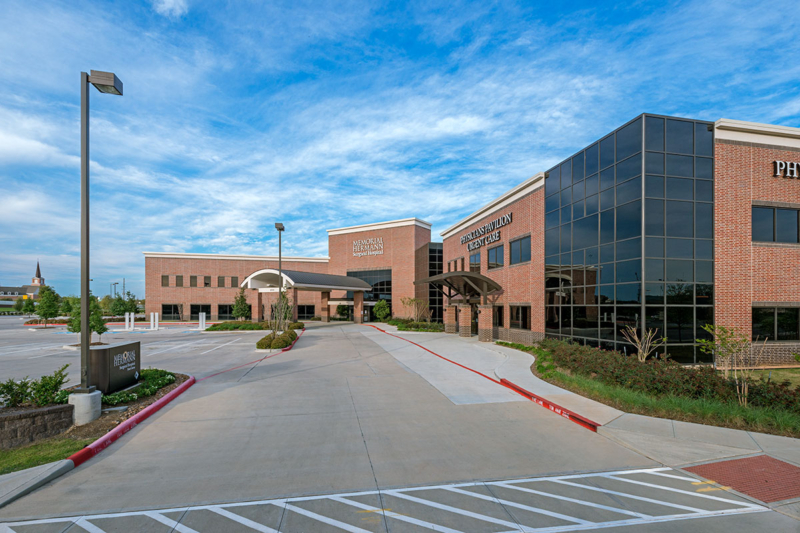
x=24, y=427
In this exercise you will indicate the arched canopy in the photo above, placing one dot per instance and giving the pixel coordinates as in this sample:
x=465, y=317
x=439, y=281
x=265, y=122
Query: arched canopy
x=268, y=279
x=467, y=284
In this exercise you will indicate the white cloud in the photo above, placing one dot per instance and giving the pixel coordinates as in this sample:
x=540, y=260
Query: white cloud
x=171, y=8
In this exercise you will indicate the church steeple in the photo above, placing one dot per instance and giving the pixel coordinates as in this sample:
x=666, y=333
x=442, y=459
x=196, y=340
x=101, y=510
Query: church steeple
x=38, y=279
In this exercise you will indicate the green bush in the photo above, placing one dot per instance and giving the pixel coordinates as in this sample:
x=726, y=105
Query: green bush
x=266, y=342
x=421, y=326
x=399, y=321
x=280, y=343
x=239, y=325
x=14, y=394
x=39, y=392
x=296, y=325
x=290, y=333
x=150, y=381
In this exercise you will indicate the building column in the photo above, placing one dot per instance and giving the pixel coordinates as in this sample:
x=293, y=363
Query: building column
x=358, y=306
x=294, y=305
x=464, y=320
x=325, y=310
x=450, y=324
x=256, y=307
x=485, y=323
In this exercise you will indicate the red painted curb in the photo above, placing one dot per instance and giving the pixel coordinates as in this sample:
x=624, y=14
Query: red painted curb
x=80, y=457
x=566, y=413
x=257, y=360
x=569, y=415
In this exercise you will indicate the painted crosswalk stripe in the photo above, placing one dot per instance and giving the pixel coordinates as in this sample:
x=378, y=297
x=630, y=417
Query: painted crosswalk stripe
x=169, y=522
x=626, y=495
x=692, y=493
x=242, y=520
x=528, y=508
x=325, y=520
x=91, y=528
x=396, y=516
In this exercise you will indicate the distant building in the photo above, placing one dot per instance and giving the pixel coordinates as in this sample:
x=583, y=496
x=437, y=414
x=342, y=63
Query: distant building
x=25, y=291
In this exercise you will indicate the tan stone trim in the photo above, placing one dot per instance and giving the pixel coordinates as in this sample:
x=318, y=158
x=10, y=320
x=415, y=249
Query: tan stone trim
x=381, y=225
x=177, y=255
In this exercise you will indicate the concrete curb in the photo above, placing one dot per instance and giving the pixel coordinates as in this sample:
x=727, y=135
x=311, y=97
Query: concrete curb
x=80, y=457
x=259, y=360
x=557, y=409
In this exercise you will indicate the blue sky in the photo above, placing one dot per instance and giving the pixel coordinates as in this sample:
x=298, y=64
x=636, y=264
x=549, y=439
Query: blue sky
x=329, y=114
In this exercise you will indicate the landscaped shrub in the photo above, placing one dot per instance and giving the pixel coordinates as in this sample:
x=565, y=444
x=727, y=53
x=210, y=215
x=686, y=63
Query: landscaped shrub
x=239, y=325
x=280, y=342
x=421, y=326
x=14, y=394
x=296, y=325
x=39, y=392
x=151, y=380
x=290, y=333
x=399, y=321
x=266, y=342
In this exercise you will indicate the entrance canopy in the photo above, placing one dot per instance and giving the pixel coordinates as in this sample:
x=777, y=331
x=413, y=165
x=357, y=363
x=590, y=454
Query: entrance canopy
x=468, y=285
x=268, y=280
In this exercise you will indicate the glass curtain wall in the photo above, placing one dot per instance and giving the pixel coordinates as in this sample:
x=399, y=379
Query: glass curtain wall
x=435, y=267
x=629, y=237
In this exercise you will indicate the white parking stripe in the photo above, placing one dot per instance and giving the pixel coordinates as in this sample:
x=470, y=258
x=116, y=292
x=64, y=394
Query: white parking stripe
x=325, y=519
x=520, y=506
x=174, y=347
x=682, y=478
x=220, y=346
x=242, y=520
x=404, y=518
x=91, y=528
x=169, y=522
x=455, y=510
x=690, y=493
x=631, y=496
x=573, y=500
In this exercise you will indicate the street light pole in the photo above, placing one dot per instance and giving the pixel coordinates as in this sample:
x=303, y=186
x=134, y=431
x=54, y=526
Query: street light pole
x=280, y=228
x=105, y=82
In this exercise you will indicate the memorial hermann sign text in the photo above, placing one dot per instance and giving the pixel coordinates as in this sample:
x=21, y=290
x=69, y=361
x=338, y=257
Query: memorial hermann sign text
x=368, y=246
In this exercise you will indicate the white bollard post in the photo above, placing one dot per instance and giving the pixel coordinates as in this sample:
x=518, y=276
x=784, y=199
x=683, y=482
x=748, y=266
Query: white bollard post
x=152, y=321
x=126, y=321
x=132, y=321
x=202, y=324
x=156, y=320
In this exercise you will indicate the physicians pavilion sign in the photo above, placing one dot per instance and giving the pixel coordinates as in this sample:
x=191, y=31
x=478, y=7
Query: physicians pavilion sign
x=786, y=169
x=486, y=234
x=368, y=246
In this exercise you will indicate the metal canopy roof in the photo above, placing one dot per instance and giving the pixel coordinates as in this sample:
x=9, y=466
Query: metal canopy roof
x=467, y=284
x=268, y=278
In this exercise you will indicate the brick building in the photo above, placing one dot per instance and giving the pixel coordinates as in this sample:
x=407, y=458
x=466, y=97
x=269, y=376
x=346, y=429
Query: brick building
x=665, y=223
x=24, y=292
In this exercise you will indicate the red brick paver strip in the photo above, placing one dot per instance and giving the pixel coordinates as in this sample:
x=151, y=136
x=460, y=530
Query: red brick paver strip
x=762, y=477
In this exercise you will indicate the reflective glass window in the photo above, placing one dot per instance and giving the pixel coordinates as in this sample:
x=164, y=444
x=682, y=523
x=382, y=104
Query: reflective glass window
x=607, y=273
x=475, y=262
x=592, y=204
x=629, y=293
x=607, y=226
x=165, y=281
x=680, y=219
x=630, y=190
x=607, y=178
x=566, y=196
x=704, y=221
x=566, y=242
x=654, y=319
x=703, y=249
x=521, y=248
x=577, y=192
x=607, y=151
x=592, y=255
x=629, y=220
x=788, y=326
x=607, y=322
x=704, y=191
x=764, y=323
x=606, y=199
x=680, y=293
x=552, y=202
x=704, y=294
x=704, y=168
x=551, y=182
x=179, y=282
x=551, y=220
x=220, y=281
x=654, y=293
x=654, y=217
x=680, y=354
x=585, y=232
x=577, y=261
x=234, y=281
x=606, y=253
x=592, y=154
x=566, y=174
x=680, y=189
x=654, y=163
x=654, y=186
x=654, y=134
x=680, y=270
x=592, y=184
x=680, y=248
x=630, y=249
x=629, y=168
x=680, y=136
x=703, y=316
x=680, y=165
x=566, y=214
x=680, y=324
x=704, y=139
x=551, y=242
x=577, y=168
x=654, y=247
x=704, y=272
x=629, y=271
x=654, y=269
x=577, y=210
x=763, y=224
x=629, y=140
x=786, y=225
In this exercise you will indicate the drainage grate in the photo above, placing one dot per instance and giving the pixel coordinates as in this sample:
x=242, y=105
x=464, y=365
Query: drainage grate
x=762, y=477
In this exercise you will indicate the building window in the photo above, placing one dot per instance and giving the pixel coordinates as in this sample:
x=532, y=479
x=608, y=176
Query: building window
x=220, y=281
x=497, y=316
x=165, y=281
x=225, y=311
x=520, y=250
x=496, y=257
x=776, y=323
x=775, y=225
x=196, y=309
x=475, y=263
x=381, y=281
x=179, y=281
x=234, y=281
x=206, y=281
x=305, y=312
x=435, y=267
x=521, y=316
x=170, y=312
x=192, y=281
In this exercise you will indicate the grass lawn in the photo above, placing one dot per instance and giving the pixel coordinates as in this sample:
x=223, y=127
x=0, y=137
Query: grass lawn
x=40, y=453
x=782, y=374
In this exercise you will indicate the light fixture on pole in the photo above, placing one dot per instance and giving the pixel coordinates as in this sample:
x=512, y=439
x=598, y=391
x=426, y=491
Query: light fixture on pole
x=115, y=288
x=280, y=228
x=105, y=82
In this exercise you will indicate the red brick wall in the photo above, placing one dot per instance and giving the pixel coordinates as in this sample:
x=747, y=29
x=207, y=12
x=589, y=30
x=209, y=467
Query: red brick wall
x=521, y=283
x=746, y=272
x=400, y=245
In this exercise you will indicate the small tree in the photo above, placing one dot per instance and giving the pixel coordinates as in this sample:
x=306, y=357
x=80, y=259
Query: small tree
x=736, y=354
x=18, y=305
x=343, y=311
x=419, y=308
x=74, y=323
x=28, y=307
x=48, y=304
x=283, y=311
x=645, y=345
x=241, y=309
x=105, y=304
x=131, y=305
x=66, y=306
x=96, y=322
x=381, y=310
